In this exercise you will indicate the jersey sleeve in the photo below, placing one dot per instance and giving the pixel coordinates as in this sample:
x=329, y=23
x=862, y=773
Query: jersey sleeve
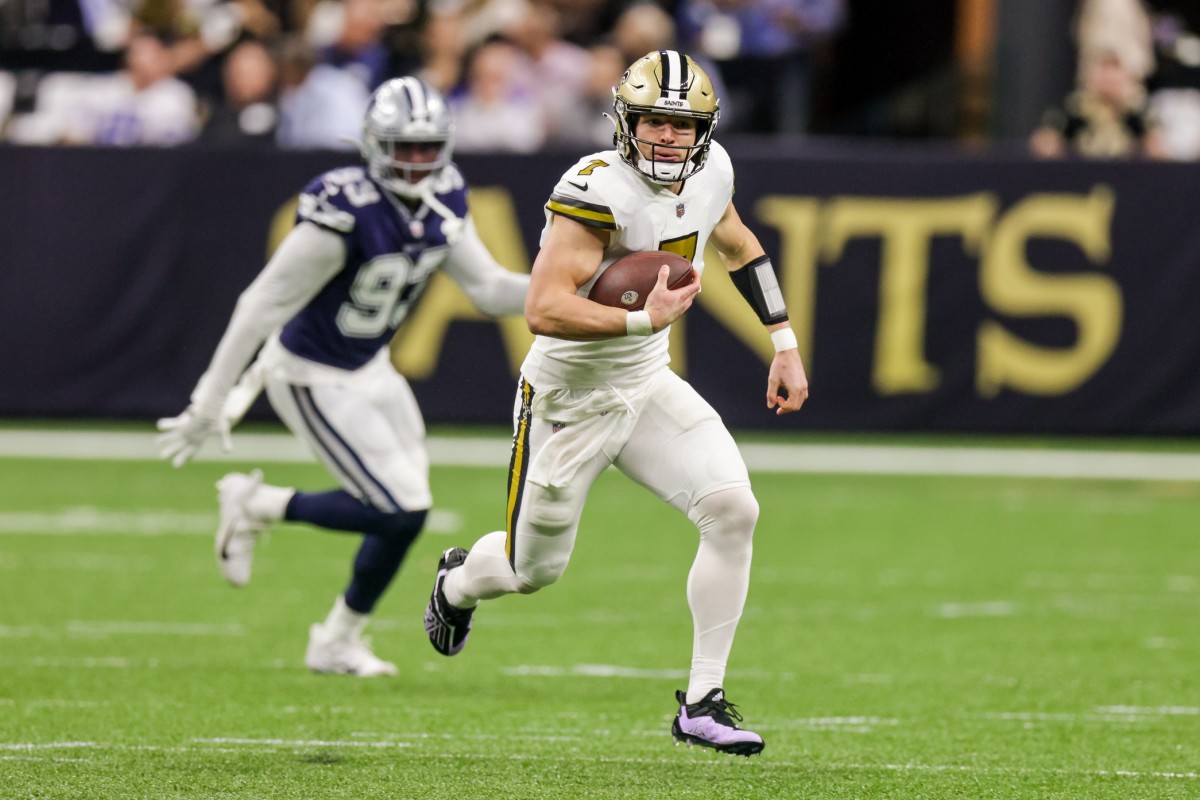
x=452, y=190
x=721, y=166
x=580, y=194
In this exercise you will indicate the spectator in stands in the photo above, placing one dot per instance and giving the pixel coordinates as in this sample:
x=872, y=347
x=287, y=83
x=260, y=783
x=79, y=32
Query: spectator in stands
x=558, y=70
x=762, y=49
x=1175, y=86
x=248, y=115
x=142, y=104
x=1106, y=117
x=582, y=121
x=443, y=48
x=642, y=27
x=586, y=21
x=359, y=49
x=456, y=29
x=498, y=111
x=320, y=106
x=1119, y=27
x=481, y=20
x=202, y=32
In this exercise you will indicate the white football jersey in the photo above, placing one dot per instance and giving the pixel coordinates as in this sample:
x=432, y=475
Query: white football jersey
x=604, y=192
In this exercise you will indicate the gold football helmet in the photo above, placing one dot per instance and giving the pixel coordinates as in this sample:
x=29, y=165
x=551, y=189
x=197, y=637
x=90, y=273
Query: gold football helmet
x=665, y=83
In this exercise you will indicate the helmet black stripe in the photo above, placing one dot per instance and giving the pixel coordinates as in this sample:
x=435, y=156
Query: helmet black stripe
x=414, y=90
x=664, y=58
x=674, y=63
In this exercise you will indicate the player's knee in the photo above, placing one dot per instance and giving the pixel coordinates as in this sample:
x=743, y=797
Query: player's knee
x=741, y=510
x=551, y=512
x=402, y=524
x=535, y=576
x=730, y=514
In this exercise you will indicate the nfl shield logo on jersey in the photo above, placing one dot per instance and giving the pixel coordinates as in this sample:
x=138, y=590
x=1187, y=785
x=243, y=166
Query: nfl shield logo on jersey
x=679, y=209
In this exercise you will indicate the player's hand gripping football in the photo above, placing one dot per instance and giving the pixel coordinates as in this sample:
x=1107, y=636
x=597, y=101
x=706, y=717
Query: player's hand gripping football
x=666, y=305
x=182, y=436
x=787, y=385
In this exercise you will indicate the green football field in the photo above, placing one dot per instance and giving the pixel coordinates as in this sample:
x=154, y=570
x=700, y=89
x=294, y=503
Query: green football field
x=906, y=636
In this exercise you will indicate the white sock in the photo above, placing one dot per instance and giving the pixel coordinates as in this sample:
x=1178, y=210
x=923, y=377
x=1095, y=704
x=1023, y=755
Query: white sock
x=268, y=503
x=485, y=574
x=718, y=583
x=343, y=621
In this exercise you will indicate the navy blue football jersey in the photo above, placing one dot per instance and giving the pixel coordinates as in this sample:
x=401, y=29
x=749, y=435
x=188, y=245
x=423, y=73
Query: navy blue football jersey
x=391, y=252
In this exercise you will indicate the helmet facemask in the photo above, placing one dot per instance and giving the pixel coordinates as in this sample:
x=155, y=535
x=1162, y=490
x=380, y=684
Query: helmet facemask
x=668, y=84
x=406, y=123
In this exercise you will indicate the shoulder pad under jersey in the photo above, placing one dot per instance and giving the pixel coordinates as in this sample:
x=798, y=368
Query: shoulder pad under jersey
x=333, y=200
x=585, y=191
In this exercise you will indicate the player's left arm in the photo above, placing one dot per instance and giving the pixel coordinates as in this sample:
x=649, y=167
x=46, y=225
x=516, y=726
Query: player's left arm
x=754, y=276
x=493, y=289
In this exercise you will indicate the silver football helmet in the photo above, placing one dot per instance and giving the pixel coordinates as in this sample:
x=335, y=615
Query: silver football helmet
x=406, y=111
x=665, y=83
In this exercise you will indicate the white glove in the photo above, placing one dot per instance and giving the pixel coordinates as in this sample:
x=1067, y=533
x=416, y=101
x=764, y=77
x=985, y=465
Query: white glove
x=182, y=436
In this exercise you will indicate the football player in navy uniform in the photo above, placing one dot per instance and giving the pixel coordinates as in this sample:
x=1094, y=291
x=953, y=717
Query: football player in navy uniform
x=596, y=389
x=323, y=310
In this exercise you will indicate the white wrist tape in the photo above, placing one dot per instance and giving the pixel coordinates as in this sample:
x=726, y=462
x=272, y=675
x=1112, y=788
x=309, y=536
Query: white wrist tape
x=784, y=339
x=637, y=323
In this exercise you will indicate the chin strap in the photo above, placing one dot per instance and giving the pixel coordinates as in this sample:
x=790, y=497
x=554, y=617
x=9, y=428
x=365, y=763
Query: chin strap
x=653, y=170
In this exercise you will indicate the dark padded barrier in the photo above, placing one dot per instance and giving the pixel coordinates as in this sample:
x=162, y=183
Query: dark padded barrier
x=930, y=291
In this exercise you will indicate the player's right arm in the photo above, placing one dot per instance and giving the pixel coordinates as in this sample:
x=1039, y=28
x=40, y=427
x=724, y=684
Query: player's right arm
x=570, y=255
x=304, y=262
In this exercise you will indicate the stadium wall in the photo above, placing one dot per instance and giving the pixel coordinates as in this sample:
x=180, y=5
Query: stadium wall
x=929, y=291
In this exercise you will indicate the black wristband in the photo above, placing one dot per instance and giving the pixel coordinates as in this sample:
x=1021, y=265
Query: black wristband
x=756, y=281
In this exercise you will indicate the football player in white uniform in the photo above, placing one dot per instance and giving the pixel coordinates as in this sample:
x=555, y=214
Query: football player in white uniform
x=595, y=388
x=366, y=242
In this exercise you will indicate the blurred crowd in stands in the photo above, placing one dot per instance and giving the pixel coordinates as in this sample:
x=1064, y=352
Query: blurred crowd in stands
x=1137, y=88
x=522, y=75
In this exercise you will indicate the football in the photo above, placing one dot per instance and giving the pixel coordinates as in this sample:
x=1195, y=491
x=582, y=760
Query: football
x=629, y=279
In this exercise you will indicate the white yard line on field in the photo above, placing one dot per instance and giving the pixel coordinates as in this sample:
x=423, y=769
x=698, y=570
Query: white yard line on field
x=973, y=770
x=593, y=671
x=299, y=742
x=77, y=520
x=992, y=608
x=102, y=628
x=89, y=519
x=761, y=457
x=114, y=662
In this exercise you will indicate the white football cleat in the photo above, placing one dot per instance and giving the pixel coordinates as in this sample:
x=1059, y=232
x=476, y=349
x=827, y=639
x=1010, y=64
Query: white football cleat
x=344, y=653
x=238, y=531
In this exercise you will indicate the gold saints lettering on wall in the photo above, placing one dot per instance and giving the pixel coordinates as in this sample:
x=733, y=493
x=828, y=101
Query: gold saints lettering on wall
x=813, y=232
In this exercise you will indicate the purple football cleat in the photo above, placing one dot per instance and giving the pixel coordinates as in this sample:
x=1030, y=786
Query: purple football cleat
x=446, y=625
x=712, y=722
